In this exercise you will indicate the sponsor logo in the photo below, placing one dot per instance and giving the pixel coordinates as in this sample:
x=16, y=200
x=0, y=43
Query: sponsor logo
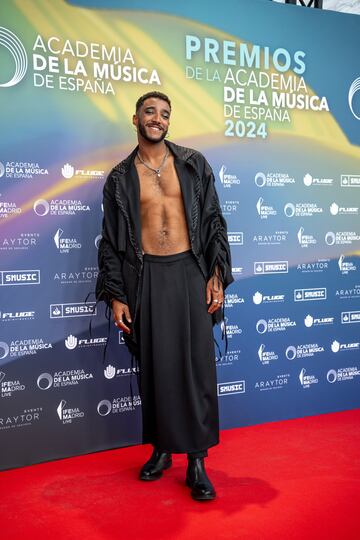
x=118, y=405
x=233, y=299
x=335, y=210
x=347, y=294
x=264, y=211
x=312, y=181
x=350, y=317
x=271, y=267
x=12, y=43
x=266, y=357
x=97, y=241
x=310, y=321
x=229, y=358
x=68, y=414
x=227, y=180
x=230, y=207
x=27, y=417
x=110, y=371
x=341, y=238
x=231, y=329
x=9, y=387
x=305, y=240
x=275, y=239
x=4, y=350
x=313, y=267
x=278, y=324
x=342, y=374
x=60, y=207
x=72, y=342
x=350, y=180
x=19, y=277
x=302, y=209
x=259, y=298
x=272, y=179
x=303, y=351
x=307, y=380
x=72, y=309
x=7, y=316
x=233, y=387
x=346, y=266
x=68, y=172
x=277, y=383
x=237, y=270
x=64, y=245
x=354, y=88
x=86, y=275
x=22, y=242
x=23, y=347
x=236, y=238
x=305, y=295
x=23, y=170
x=59, y=379
x=8, y=208
x=336, y=346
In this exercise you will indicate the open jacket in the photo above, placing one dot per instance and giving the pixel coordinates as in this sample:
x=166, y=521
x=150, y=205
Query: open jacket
x=120, y=255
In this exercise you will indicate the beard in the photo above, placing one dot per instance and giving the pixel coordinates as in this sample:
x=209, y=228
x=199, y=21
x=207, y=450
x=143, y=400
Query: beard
x=151, y=139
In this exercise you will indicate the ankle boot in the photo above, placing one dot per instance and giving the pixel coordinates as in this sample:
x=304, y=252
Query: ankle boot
x=197, y=479
x=154, y=467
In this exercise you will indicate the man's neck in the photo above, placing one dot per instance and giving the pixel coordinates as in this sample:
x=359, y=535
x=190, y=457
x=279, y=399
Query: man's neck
x=151, y=152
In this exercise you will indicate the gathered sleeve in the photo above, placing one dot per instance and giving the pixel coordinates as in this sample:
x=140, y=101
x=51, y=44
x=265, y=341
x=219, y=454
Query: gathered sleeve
x=214, y=231
x=110, y=282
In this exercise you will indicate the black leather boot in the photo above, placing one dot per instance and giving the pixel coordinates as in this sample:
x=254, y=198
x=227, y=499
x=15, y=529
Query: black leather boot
x=197, y=479
x=154, y=467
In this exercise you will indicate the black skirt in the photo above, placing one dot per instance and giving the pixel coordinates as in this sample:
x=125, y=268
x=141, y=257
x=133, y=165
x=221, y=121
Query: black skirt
x=177, y=356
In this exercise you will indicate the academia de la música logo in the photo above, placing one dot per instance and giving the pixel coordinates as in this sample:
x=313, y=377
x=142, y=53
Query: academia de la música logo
x=19, y=277
x=110, y=372
x=310, y=180
x=9, y=387
x=27, y=417
x=278, y=382
x=20, y=242
x=306, y=380
x=60, y=207
x=271, y=267
x=277, y=238
x=266, y=356
x=118, y=405
x=17, y=348
x=67, y=415
x=59, y=379
x=232, y=387
x=310, y=321
x=276, y=324
x=353, y=89
x=303, y=350
x=9, y=208
x=315, y=267
x=273, y=179
x=265, y=210
x=342, y=374
x=73, y=309
x=259, y=298
x=21, y=170
x=228, y=180
x=341, y=238
x=302, y=209
x=233, y=299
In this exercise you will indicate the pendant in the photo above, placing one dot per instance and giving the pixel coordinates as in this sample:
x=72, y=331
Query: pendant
x=157, y=172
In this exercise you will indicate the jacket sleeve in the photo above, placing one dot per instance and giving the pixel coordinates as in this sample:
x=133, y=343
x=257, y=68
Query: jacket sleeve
x=214, y=231
x=110, y=283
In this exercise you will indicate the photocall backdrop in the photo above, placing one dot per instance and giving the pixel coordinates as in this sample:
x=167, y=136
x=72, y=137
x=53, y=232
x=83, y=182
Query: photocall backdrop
x=270, y=94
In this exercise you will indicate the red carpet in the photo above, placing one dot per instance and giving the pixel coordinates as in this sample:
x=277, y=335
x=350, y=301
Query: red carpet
x=298, y=479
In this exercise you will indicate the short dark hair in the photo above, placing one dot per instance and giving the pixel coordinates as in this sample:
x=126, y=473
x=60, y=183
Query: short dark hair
x=153, y=94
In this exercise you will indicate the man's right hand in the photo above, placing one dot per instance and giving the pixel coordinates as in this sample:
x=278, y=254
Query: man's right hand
x=121, y=312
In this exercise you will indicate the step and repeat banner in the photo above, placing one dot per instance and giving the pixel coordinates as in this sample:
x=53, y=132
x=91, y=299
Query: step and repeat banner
x=271, y=95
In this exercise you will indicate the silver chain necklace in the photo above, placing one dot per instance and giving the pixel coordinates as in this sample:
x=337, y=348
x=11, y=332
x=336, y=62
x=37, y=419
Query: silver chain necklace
x=158, y=170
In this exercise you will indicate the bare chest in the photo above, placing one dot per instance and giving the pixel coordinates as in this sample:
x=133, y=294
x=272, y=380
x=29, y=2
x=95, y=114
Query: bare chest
x=156, y=189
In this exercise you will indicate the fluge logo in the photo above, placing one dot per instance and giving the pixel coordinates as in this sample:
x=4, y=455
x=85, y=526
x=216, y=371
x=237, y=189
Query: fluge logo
x=354, y=87
x=12, y=43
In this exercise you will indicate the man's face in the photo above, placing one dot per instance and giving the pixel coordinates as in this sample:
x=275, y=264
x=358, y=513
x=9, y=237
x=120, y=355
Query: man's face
x=152, y=120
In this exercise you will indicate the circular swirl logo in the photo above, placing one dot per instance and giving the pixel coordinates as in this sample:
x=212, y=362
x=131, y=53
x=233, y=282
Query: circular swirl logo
x=354, y=87
x=17, y=50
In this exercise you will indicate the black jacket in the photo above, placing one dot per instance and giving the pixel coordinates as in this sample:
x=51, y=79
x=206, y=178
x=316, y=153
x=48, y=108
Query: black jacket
x=120, y=253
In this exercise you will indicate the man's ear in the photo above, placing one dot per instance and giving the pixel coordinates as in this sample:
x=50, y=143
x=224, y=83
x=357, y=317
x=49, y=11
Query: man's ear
x=135, y=120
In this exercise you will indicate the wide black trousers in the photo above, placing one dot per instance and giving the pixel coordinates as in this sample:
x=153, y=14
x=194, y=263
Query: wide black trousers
x=177, y=356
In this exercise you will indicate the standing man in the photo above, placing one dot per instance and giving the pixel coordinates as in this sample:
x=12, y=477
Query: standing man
x=164, y=262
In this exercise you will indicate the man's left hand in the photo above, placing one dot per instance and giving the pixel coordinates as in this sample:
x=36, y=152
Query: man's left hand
x=214, y=294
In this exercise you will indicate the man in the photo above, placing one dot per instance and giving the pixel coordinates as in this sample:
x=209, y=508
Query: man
x=164, y=264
